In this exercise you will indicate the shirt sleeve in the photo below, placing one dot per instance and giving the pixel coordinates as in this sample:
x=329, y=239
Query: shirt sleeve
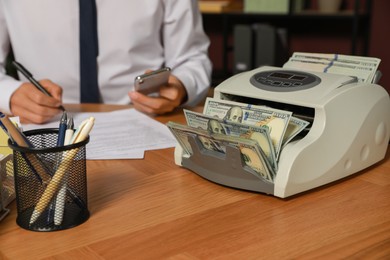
x=7, y=84
x=186, y=48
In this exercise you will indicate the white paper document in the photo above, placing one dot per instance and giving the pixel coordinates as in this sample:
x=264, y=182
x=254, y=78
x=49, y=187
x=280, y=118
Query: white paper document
x=121, y=134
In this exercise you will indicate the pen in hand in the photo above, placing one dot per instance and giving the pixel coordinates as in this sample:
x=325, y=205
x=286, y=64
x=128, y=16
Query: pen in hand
x=30, y=77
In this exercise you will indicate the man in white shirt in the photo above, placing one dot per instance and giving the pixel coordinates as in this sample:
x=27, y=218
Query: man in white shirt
x=134, y=36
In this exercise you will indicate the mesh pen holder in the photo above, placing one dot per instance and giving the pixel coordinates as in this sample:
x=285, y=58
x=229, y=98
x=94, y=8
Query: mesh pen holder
x=50, y=182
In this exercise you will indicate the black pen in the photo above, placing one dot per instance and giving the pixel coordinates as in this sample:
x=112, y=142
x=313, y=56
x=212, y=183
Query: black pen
x=29, y=76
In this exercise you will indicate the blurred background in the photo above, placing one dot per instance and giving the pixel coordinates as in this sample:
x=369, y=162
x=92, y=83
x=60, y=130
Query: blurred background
x=274, y=29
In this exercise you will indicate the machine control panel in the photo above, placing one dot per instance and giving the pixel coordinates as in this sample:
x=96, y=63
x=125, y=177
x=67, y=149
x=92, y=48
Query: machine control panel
x=284, y=80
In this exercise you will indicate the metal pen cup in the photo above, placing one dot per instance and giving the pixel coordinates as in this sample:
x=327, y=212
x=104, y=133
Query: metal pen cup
x=50, y=182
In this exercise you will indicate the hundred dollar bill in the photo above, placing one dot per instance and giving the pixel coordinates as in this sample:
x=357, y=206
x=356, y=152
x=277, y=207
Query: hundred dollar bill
x=216, y=125
x=363, y=68
x=181, y=137
x=182, y=133
x=363, y=74
x=250, y=151
x=276, y=120
x=251, y=154
x=355, y=60
x=295, y=126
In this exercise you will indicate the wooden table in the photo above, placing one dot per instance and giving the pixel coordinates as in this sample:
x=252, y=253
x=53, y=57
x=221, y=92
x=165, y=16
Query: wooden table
x=153, y=209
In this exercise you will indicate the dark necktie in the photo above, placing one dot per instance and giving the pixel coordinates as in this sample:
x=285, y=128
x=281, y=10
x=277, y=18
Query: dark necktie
x=89, y=50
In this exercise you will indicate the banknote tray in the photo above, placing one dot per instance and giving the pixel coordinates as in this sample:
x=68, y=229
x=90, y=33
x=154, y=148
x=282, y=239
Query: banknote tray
x=227, y=169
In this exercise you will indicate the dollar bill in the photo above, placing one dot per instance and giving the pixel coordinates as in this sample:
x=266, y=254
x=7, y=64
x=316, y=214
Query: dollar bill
x=251, y=154
x=249, y=149
x=181, y=137
x=295, y=126
x=276, y=120
x=363, y=68
x=215, y=125
x=182, y=133
x=356, y=60
x=363, y=74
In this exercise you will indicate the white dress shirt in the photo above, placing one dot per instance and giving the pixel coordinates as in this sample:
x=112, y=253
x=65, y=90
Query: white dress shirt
x=133, y=36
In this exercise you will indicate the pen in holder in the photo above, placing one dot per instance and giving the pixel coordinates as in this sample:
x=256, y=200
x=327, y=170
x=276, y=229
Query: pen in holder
x=41, y=173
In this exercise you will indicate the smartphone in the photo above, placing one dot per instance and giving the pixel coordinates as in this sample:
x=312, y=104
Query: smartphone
x=151, y=82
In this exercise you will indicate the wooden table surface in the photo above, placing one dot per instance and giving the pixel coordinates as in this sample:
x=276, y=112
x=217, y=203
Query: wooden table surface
x=153, y=209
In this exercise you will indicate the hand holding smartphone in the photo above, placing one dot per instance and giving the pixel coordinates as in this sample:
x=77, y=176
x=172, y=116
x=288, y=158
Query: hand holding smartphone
x=152, y=81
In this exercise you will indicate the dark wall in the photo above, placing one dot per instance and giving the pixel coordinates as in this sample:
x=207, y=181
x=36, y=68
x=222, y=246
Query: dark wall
x=380, y=38
x=334, y=39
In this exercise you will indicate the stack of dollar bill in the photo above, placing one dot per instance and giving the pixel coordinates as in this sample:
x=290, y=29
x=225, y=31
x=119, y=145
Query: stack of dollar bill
x=259, y=132
x=363, y=68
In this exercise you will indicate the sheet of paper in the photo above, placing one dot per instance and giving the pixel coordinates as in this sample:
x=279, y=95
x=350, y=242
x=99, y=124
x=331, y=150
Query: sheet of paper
x=121, y=134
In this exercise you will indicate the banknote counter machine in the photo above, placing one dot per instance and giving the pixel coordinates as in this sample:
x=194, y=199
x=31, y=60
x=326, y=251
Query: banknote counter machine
x=349, y=130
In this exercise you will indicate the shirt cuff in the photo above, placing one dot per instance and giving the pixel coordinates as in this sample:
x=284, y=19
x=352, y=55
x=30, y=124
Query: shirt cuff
x=196, y=91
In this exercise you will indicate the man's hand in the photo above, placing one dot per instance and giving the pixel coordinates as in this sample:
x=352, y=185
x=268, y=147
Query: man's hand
x=33, y=106
x=170, y=97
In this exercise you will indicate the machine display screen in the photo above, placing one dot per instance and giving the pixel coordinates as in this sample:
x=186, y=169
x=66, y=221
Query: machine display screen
x=298, y=77
x=287, y=76
x=281, y=75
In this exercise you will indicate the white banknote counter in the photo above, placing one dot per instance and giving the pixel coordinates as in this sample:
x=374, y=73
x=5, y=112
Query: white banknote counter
x=349, y=130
